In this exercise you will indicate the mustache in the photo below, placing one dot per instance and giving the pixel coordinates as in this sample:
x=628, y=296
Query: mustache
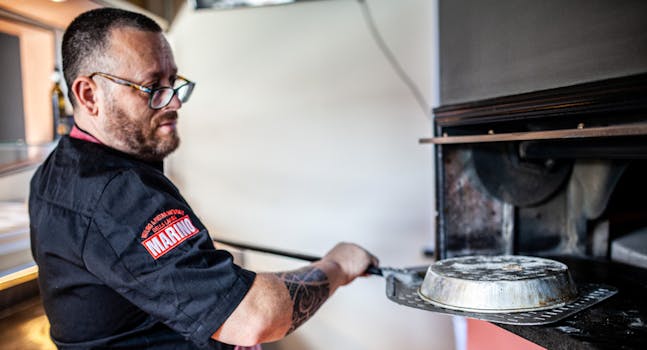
x=165, y=118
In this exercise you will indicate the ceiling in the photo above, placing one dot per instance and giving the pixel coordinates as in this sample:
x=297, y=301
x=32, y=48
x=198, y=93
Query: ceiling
x=58, y=14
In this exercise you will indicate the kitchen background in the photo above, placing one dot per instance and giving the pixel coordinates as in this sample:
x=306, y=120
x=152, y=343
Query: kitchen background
x=301, y=133
x=312, y=139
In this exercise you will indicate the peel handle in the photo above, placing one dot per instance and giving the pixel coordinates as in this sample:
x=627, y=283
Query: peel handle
x=371, y=270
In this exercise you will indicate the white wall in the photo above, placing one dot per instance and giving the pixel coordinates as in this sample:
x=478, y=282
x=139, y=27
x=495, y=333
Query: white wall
x=300, y=135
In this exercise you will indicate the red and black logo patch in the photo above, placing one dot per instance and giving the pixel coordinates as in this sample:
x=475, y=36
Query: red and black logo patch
x=166, y=231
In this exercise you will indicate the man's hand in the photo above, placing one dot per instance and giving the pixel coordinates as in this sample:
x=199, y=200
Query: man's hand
x=352, y=260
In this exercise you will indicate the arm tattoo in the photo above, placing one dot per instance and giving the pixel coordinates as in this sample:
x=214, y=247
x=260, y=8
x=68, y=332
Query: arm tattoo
x=309, y=288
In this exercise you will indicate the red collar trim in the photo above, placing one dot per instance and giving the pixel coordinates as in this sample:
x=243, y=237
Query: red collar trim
x=82, y=135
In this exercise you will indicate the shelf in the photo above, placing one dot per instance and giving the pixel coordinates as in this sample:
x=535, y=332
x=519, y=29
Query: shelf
x=21, y=276
x=580, y=132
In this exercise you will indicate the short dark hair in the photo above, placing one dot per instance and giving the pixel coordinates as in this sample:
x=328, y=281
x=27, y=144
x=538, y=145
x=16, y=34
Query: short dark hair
x=87, y=36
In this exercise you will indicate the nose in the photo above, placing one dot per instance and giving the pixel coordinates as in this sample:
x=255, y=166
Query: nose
x=175, y=103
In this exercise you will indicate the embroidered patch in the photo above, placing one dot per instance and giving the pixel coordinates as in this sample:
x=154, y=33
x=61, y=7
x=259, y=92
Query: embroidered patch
x=161, y=220
x=168, y=235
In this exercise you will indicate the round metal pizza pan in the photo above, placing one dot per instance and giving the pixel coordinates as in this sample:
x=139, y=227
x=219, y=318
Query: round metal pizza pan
x=504, y=283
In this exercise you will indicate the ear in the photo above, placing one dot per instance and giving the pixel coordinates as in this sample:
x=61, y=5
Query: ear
x=85, y=92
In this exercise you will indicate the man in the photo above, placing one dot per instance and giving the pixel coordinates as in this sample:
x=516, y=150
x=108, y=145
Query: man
x=123, y=260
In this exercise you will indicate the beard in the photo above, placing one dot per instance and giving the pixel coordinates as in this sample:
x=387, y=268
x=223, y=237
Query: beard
x=139, y=136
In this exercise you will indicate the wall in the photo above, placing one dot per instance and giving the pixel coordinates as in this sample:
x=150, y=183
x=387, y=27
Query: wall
x=300, y=135
x=493, y=48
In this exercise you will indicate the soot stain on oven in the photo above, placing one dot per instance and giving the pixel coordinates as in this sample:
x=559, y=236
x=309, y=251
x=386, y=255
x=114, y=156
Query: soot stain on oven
x=564, y=223
x=468, y=198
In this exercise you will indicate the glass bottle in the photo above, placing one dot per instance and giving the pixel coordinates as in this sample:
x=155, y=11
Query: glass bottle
x=62, y=122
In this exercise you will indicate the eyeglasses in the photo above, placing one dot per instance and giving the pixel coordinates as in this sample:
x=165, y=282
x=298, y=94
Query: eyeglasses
x=159, y=97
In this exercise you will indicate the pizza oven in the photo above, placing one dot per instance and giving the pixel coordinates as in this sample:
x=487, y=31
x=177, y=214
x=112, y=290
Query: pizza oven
x=558, y=173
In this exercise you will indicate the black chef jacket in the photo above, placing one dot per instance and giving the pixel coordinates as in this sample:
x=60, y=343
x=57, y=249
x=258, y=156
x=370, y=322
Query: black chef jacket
x=124, y=263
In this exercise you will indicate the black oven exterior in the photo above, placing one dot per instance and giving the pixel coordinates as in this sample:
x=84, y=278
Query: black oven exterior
x=558, y=173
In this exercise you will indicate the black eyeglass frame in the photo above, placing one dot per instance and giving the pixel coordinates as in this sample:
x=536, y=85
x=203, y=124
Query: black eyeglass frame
x=151, y=91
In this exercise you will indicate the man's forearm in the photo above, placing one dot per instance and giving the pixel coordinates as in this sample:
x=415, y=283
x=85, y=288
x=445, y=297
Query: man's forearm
x=309, y=287
x=278, y=303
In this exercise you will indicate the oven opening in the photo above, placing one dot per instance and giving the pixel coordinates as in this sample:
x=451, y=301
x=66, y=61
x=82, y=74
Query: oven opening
x=553, y=172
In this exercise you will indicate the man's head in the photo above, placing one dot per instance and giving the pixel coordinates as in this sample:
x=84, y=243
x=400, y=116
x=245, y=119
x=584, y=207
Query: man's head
x=123, y=82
